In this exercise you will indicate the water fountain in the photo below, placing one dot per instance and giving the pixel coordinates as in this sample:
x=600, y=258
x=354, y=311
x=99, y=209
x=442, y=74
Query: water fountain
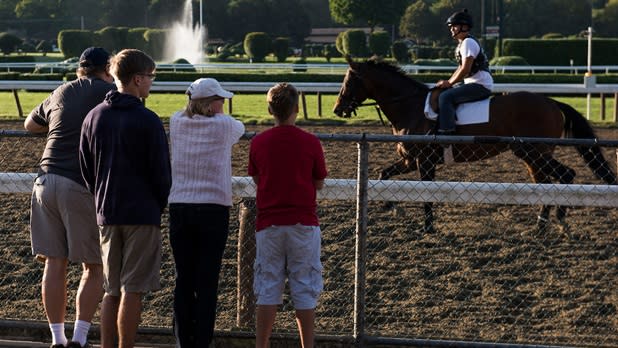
x=185, y=40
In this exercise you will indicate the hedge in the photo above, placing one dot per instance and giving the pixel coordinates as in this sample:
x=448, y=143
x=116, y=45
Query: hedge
x=113, y=39
x=561, y=51
x=13, y=75
x=380, y=43
x=257, y=45
x=42, y=77
x=399, y=51
x=355, y=43
x=73, y=42
x=295, y=77
x=281, y=45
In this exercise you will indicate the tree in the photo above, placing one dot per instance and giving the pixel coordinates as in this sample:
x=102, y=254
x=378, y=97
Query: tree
x=7, y=10
x=276, y=17
x=72, y=11
x=248, y=16
x=28, y=9
x=37, y=15
x=522, y=18
x=318, y=12
x=419, y=23
x=367, y=12
x=162, y=13
x=216, y=19
x=606, y=19
x=445, y=8
x=289, y=18
x=125, y=13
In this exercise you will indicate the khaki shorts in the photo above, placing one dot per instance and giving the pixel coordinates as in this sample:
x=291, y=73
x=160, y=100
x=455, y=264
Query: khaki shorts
x=63, y=221
x=131, y=258
x=291, y=252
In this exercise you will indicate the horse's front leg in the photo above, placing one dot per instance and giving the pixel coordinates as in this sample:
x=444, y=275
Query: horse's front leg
x=403, y=166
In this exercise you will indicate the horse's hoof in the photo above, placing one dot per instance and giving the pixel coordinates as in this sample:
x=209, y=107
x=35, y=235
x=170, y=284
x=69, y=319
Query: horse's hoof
x=397, y=211
x=542, y=225
x=541, y=230
x=388, y=206
x=565, y=229
x=429, y=229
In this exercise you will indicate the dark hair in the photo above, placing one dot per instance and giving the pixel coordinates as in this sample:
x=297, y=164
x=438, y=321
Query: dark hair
x=90, y=71
x=129, y=62
x=282, y=98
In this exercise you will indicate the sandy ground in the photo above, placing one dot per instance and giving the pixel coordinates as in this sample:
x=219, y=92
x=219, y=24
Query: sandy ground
x=485, y=275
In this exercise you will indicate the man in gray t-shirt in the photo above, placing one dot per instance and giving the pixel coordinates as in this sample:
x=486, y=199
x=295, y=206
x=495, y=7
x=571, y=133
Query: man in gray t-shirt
x=63, y=224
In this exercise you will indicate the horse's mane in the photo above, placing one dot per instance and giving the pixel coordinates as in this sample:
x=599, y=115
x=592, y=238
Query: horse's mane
x=382, y=65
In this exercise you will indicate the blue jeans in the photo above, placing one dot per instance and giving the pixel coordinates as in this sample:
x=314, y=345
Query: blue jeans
x=198, y=235
x=461, y=93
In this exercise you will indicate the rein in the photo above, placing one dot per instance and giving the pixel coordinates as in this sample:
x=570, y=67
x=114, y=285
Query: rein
x=377, y=107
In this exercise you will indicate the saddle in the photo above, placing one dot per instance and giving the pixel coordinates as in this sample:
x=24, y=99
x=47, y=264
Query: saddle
x=465, y=113
x=434, y=97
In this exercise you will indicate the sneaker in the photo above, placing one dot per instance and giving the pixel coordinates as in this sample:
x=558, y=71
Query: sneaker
x=73, y=344
x=57, y=346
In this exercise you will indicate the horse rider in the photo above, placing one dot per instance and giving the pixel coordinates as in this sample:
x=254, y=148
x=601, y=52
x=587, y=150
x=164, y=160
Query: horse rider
x=473, y=71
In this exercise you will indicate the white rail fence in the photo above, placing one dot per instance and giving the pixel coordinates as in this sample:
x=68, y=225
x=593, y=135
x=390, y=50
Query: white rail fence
x=315, y=68
x=326, y=87
x=417, y=191
x=333, y=87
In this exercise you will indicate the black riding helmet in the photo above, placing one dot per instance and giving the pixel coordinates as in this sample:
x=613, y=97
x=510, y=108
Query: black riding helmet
x=460, y=18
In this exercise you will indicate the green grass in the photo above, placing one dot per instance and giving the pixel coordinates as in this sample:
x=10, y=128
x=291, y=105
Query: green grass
x=252, y=109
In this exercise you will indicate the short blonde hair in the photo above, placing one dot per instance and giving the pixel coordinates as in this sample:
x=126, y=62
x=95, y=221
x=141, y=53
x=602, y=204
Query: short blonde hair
x=129, y=62
x=200, y=106
x=282, y=99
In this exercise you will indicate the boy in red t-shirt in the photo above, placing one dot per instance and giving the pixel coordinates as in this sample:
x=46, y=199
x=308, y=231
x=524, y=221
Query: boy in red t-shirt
x=287, y=164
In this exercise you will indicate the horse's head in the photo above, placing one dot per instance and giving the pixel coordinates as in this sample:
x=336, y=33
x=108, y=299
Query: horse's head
x=352, y=92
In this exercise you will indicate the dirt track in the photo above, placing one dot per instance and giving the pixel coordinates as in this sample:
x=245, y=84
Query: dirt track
x=484, y=275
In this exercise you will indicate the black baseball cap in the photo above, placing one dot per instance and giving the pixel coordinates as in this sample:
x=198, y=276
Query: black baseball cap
x=93, y=56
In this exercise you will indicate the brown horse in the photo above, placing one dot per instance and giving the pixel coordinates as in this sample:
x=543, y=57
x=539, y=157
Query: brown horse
x=520, y=114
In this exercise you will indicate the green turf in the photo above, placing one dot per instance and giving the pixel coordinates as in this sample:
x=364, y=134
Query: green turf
x=251, y=108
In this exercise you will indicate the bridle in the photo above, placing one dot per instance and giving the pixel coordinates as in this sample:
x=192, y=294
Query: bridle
x=354, y=104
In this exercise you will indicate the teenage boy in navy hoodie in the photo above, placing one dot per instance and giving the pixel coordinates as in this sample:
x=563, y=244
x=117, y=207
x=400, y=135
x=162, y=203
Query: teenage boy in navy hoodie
x=124, y=159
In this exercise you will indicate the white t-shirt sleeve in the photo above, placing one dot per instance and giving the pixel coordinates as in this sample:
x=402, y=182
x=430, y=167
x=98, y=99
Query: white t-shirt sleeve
x=469, y=48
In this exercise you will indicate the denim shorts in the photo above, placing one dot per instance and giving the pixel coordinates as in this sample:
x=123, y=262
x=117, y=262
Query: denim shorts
x=291, y=252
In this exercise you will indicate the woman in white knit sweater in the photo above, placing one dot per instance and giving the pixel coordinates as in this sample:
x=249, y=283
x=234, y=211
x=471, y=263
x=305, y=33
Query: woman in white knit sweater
x=201, y=139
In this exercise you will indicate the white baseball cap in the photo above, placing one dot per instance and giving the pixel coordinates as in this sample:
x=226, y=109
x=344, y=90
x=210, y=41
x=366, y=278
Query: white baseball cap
x=207, y=87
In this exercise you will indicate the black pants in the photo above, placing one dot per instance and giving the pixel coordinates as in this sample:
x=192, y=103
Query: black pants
x=198, y=234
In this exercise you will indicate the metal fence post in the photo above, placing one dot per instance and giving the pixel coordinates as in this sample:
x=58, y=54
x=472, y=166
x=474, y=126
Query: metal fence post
x=615, y=107
x=361, y=241
x=245, y=300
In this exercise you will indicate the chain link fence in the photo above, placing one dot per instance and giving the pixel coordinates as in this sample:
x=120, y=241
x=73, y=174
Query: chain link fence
x=486, y=274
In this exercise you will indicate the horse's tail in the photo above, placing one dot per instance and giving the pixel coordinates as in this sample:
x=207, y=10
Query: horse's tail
x=576, y=126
